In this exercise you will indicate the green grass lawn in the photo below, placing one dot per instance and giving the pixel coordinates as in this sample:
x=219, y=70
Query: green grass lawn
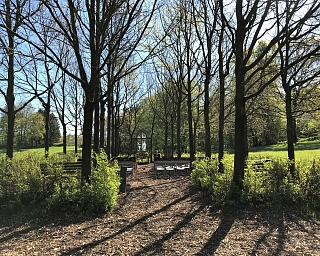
x=52, y=150
x=304, y=150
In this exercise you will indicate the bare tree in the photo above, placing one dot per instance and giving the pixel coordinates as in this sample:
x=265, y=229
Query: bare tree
x=296, y=50
x=12, y=16
x=254, y=21
x=179, y=59
x=84, y=26
x=205, y=15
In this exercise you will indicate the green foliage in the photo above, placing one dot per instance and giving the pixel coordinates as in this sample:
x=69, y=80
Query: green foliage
x=29, y=128
x=98, y=196
x=54, y=130
x=24, y=184
x=206, y=176
x=273, y=184
x=21, y=179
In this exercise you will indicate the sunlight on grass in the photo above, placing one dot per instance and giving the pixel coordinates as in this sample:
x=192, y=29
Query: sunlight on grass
x=304, y=150
x=52, y=150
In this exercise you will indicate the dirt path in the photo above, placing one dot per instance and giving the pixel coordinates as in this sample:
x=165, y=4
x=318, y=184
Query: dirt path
x=163, y=217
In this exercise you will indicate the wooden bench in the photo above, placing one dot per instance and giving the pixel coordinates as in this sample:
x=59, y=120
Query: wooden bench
x=52, y=176
x=131, y=166
x=68, y=167
x=257, y=164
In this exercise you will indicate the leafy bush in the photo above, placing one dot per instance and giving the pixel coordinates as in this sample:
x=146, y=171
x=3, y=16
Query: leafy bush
x=20, y=179
x=271, y=185
x=23, y=183
x=98, y=196
x=206, y=176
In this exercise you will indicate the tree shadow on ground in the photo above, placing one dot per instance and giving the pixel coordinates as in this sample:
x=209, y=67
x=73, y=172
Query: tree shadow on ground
x=157, y=246
x=24, y=222
x=87, y=247
x=275, y=225
x=278, y=222
x=227, y=219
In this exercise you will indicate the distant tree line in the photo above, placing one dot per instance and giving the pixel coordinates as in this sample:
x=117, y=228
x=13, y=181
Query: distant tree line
x=30, y=129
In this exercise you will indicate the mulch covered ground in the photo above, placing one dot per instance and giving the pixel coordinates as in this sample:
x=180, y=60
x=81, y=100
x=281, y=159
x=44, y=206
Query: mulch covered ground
x=163, y=217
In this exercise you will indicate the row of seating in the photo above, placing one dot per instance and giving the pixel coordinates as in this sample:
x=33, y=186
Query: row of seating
x=171, y=170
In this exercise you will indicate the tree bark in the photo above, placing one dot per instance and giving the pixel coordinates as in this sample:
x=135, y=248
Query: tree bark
x=221, y=97
x=240, y=112
x=10, y=96
x=64, y=136
x=102, y=122
x=191, y=137
x=109, y=126
x=87, y=140
x=207, y=108
x=179, y=123
x=96, y=136
x=290, y=130
x=47, y=126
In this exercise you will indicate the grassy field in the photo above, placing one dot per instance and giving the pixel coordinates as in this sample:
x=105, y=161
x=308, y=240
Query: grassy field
x=52, y=150
x=304, y=150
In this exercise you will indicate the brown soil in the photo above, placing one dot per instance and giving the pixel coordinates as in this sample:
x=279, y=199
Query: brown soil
x=162, y=216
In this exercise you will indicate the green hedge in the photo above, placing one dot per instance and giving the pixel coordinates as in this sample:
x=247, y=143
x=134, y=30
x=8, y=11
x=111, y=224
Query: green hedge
x=272, y=185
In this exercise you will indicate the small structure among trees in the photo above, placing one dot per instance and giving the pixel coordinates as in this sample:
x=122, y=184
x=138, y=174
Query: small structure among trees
x=143, y=148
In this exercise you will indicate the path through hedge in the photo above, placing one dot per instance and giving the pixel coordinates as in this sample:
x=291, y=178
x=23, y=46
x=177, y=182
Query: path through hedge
x=163, y=217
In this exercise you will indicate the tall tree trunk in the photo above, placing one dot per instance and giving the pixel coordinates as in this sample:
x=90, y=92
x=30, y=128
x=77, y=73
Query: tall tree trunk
x=190, y=122
x=246, y=144
x=166, y=134
x=179, y=124
x=221, y=99
x=96, y=136
x=239, y=156
x=102, y=122
x=47, y=125
x=117, y=135
x=114, y=130
x=290, y=130
x=152, y=132
x=87, y=140
x=206, y=107
x=194, y=137
x=172, y=139
x=76, y=122
x=64, y=138
x=10, y=97
x=284, y=58
x=221, y=126
x=109, y=126
x=240, y=112
x=76, y=140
